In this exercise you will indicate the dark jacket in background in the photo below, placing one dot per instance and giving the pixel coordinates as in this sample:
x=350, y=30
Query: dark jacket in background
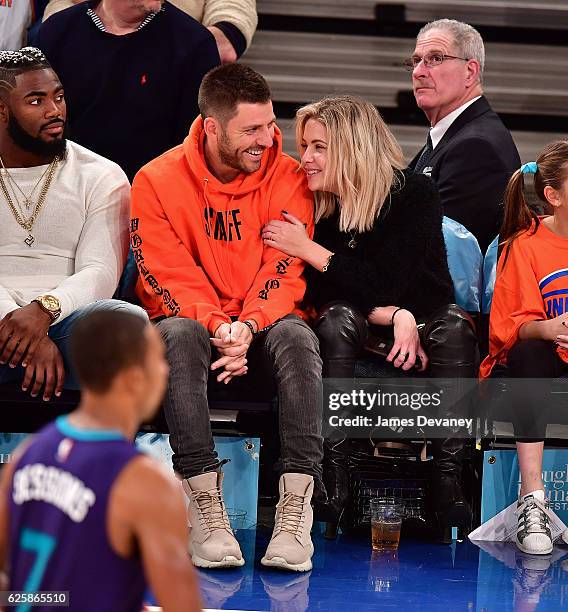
x=471, y=166
x=131, y=97
x=400, y=262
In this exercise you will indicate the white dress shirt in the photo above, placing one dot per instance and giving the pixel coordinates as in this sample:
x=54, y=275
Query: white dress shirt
x=438, y=131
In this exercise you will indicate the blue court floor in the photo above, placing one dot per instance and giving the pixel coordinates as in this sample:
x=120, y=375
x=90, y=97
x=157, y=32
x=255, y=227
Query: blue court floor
x=347, y=576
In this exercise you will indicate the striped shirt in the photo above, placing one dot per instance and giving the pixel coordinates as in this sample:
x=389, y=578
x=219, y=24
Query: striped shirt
x=98, y=22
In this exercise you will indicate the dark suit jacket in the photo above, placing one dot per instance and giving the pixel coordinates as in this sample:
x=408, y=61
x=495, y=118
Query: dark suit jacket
x=471, y=167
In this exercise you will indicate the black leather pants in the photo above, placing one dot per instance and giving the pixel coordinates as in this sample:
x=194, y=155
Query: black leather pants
x=448, y=337
x=449, y=340
x=342, y=331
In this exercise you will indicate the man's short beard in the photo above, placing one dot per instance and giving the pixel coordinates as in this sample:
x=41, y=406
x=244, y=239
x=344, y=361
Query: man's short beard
x=229, y=156
x=34, y=145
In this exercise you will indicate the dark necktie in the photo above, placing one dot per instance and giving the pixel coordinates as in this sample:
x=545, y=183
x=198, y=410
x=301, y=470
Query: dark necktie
x=424, y=156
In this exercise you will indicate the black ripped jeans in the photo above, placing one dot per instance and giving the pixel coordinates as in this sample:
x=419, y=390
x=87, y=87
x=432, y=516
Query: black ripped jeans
x=285, y=358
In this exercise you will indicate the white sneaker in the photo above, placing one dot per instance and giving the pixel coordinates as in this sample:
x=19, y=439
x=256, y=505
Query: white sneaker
x=533, y=527
x=211, y=542
x=291, y=546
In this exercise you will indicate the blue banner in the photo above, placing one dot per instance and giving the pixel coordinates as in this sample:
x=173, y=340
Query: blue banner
x=502, y=482
x=8, y=443
x=240, y=482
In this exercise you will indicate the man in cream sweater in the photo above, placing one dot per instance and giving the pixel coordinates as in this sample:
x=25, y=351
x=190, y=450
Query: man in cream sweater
x=63, y=227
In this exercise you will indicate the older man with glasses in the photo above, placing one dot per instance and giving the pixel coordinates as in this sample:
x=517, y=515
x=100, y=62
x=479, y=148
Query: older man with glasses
x=469, y=153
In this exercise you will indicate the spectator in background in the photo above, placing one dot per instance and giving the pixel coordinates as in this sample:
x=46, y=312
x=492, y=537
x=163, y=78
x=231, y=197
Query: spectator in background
x=528, y=322
x=232, y=24
x=63, y=227
x=469, y=153
x=139, y=97
x=16, y=16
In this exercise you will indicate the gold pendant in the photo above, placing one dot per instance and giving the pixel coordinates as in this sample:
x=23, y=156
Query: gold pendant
x=27, y=203
x=352, y=243
x=29, y=240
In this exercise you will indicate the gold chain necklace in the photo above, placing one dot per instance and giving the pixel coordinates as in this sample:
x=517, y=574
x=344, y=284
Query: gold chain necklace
x=27, y=199
x=28, y=223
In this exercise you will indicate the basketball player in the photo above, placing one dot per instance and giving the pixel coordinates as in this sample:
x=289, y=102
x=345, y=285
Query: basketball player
x=81, y=510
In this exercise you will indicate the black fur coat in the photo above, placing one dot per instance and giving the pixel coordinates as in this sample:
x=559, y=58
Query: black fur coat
x=400, y=262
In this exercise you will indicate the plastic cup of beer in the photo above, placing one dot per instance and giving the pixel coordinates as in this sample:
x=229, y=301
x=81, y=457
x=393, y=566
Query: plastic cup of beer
x=386, y=519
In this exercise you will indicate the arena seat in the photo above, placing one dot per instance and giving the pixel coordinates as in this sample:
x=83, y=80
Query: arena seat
x=412, y=137
x=465, y=262
x=546, y=14
x=489, y=275
x=25, y=414
x=301, y=67
x=126, y=289
x=356, y=9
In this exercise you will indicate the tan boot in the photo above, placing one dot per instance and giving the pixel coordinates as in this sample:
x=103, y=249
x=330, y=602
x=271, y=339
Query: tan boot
x=291, y=546
x=211, y=542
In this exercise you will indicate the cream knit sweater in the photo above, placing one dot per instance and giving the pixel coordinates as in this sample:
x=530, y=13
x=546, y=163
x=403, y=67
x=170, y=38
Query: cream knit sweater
x=81, y=234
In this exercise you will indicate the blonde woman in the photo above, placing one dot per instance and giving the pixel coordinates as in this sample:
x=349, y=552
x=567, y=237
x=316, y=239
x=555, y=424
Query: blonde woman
x=377, y=265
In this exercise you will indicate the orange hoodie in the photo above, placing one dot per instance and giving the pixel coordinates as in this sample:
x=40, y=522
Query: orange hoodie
x=197, y=241
x=531, y=286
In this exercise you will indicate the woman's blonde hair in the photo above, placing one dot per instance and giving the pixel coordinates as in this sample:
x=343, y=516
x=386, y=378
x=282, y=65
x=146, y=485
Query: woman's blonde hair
x=363, y=157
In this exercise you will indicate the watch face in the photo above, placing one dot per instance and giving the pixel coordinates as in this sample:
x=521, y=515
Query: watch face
x=50, y=302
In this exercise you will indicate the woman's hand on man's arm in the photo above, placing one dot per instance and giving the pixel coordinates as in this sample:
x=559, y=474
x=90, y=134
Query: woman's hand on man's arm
x=291, y=237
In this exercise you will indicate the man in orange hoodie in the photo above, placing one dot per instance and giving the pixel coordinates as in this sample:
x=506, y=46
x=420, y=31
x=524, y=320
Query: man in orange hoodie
x=207, y=279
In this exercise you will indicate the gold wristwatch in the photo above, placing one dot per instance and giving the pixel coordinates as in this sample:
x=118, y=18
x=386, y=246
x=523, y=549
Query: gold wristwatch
x=50, y=304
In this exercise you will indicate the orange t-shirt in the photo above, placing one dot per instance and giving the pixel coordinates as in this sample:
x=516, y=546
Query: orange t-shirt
x=531, y=286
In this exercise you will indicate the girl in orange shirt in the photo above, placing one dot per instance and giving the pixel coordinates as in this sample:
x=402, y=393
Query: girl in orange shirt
x=528, y=322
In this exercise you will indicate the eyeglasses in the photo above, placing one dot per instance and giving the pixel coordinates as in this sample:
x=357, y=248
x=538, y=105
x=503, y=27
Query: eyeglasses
x=430, y=60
